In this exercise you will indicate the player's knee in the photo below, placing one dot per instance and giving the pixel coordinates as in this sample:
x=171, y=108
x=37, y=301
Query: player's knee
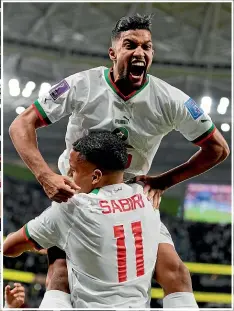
x=57, y=277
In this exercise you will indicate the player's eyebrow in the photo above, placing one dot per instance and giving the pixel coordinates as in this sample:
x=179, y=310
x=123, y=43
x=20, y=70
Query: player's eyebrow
x=134, y=41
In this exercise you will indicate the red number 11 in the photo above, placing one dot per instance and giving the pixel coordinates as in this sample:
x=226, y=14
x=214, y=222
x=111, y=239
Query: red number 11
x=121, y=250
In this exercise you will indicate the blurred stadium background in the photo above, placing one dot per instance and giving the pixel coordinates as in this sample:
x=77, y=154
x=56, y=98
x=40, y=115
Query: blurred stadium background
x=45, y=42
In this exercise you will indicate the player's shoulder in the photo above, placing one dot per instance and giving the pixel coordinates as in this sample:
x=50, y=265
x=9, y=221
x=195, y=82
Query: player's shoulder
x=110, y=191
x=86, y=76
x=136, y=187
x=114, y=191
x=92, y=72
x=166, y=90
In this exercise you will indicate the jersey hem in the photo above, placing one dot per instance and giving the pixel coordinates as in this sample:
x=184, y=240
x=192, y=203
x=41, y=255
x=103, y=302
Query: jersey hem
x=205, y=136
x=41, y=113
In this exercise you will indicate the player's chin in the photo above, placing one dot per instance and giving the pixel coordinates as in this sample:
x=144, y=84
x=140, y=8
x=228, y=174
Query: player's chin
x=136, y=80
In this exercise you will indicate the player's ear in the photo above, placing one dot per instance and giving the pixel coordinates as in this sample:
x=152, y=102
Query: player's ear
x=96, y=177
x=112, y=53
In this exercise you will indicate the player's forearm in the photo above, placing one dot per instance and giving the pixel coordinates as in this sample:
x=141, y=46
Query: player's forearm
x=23, y=135
x=199, y=163
x=12, y=247
x=14, y=251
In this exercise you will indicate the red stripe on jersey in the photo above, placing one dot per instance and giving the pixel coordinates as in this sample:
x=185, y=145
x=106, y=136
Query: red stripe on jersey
x=129, y=161
x=207, y=137
x=137, y=232
x=121, y=253
x=39, y=115
x=27, y=238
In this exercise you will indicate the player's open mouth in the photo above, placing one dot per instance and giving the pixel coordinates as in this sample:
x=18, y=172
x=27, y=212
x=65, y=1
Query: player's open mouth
x=137, y=69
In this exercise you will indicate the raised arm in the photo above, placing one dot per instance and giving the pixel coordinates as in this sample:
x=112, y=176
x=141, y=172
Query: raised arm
x=16, y=243
x=23, y=134
x=40, y=233
x=197, y=127
x=212, y=152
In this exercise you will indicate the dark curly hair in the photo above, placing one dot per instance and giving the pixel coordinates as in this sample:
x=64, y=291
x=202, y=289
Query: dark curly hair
x=103, y=149
x=134, y=22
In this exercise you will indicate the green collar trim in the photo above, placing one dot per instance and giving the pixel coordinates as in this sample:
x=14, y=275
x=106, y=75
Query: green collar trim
x=95, y=191
x=115, y=88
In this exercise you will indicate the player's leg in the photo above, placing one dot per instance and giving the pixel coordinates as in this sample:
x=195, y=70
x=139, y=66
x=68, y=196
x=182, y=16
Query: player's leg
x=172, y=275
x=57, y=287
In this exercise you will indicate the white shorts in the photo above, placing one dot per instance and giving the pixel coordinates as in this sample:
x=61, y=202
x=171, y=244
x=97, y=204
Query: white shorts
x=56, y=299
x=165, y=236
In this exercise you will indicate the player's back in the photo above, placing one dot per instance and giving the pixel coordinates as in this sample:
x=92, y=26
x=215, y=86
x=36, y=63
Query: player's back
x=112, y=247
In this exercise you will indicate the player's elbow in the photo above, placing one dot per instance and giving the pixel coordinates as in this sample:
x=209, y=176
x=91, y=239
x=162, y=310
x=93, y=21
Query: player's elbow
x=7, y=250
x=226, y=151
x=220, y=146
x=222, y=152
x=15, y=127
x=26, y=122
x=216, y=150
x=11, y=251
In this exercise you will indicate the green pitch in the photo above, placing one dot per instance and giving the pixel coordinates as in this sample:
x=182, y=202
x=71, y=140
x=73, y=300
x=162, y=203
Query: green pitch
x=211, y=216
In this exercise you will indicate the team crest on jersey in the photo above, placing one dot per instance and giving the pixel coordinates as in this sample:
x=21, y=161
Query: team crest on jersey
x=121, y=132
x=59, y=89
x=193, y=108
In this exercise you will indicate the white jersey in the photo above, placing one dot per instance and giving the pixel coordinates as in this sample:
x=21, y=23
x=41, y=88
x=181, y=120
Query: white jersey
x=141, y=119
x=111, y=238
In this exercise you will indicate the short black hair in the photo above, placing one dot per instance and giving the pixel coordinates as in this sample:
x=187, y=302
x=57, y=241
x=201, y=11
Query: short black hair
x=134, y=22
x=104, y=149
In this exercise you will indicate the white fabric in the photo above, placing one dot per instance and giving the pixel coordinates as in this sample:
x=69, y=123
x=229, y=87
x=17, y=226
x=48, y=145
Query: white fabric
x=147, y=116
x=56, y=299
x=85, y=228
x=165, y=236
x=180, y=300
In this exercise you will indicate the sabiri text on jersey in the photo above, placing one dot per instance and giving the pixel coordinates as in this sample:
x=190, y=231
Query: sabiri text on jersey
x=122, y=205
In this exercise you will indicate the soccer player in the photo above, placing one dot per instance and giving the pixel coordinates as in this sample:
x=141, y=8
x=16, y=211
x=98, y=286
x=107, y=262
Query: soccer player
x=110, y=235
x=139, y=108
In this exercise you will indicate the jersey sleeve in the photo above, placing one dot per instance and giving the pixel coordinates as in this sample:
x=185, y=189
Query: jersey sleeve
x=62, y=99
x=190, y=120
x=46, y=230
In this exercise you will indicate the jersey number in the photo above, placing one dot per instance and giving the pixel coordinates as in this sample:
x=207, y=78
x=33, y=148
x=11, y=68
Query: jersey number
x=121, y=250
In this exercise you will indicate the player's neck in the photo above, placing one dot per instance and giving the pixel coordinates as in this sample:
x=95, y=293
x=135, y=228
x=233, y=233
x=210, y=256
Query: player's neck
x=124, y=87
x=110, y=179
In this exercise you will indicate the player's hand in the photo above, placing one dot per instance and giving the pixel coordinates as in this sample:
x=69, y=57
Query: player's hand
x=42, y=251
x=152, y=188
x=14, y=297
x=57, y=187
